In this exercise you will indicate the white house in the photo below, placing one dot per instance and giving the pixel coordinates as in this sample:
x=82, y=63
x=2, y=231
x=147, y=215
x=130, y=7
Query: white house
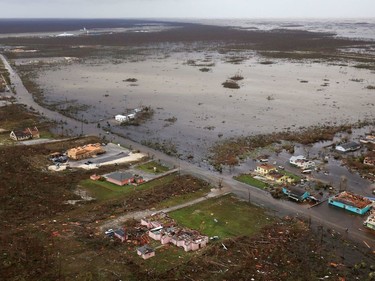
x=124, y=118
x=301, y=162
x=121, y=118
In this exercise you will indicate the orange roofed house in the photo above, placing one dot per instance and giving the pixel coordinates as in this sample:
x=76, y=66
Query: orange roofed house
x=85, y=151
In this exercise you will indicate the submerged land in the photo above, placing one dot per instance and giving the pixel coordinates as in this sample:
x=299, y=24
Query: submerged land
x=215, y=102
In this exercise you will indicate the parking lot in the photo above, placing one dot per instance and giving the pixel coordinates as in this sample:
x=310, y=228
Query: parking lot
x=114, y=154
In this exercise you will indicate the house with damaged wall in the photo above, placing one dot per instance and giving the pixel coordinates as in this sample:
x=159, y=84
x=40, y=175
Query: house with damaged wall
x=188, y=239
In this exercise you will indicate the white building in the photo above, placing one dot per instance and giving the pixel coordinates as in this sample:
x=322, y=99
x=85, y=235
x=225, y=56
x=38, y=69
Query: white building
x=301, y=162
x=121, y=118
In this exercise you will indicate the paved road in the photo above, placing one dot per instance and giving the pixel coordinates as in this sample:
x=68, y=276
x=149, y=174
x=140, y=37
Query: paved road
x=320, y=215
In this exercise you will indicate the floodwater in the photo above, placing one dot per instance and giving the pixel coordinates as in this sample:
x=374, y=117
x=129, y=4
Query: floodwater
x=272, y=97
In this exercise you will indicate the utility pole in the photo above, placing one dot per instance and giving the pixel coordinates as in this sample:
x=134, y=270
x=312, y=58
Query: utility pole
x=82, y=126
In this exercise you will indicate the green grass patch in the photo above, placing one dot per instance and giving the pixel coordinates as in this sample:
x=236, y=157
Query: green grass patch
x=248, y=179
x=224, y=216
x=5, y=139
x=166, y=257
x=102, y=190
x=291, y=175
x=180, y=199
x=153, y=167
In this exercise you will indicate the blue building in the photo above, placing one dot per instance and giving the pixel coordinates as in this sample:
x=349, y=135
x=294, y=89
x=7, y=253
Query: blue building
x=296, y=193
x=351, y=202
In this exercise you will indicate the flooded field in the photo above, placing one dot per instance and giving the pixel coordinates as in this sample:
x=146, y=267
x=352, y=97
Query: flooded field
x=192, y=109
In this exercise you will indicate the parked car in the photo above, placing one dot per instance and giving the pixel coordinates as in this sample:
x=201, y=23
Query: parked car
x=109, y=232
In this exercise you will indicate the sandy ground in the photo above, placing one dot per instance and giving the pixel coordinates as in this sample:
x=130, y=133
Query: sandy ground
x=132, y=157
x=271, y=98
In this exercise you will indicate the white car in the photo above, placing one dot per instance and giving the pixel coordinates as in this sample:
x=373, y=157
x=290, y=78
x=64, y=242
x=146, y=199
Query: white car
x=109, y=232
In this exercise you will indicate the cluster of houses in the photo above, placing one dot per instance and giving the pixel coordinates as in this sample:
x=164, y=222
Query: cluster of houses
x=353, y=146
x=25, y=134
x=120, y=178
x=271, y=173
x=128, y=117
x=161, y=227
x=164, y=229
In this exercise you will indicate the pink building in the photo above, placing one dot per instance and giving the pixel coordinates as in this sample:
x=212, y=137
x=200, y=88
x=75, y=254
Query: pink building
x=163, y=229
x=145, y=252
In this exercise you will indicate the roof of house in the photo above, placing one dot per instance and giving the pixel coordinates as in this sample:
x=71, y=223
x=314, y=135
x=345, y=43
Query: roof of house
x=160, y=218
x=266, y=166
x=145, y=249
x=188, y=235
x=21, y=134
x=349, y=145
x=87, y=148
x=275, y=175
x=295, y=158
x=120, y=176
x=352, y=199
x=120, y=232
x=295, y=190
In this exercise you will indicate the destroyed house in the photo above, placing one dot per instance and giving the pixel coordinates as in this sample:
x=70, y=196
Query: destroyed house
x=157, y=220
x=351, y=202
x=25, y=134
x=370, y=222
x=164, y=235
x=85, y=151
x=296, y=193
x=368, y=139
x=163, y=229
x=301, y=162
x=120, y=234
x=190, y=240
x=370, y=161
x=146, y=252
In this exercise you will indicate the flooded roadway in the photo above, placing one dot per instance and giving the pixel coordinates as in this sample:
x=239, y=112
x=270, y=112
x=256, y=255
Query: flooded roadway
x=322, y=214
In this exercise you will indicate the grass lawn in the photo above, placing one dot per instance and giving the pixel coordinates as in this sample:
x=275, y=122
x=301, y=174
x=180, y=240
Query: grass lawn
x=102, y=190
x=233, y=217
x=248, y=179
x=166, y=257
x=291, y=175
x=153, y=167
x=5, y=139
x=177, y=200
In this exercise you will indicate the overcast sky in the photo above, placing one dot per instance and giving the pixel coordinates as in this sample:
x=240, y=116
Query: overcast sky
x=187, y=8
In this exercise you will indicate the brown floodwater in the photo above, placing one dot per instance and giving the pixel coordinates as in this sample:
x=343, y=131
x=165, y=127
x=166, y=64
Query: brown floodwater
x=272, y=97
